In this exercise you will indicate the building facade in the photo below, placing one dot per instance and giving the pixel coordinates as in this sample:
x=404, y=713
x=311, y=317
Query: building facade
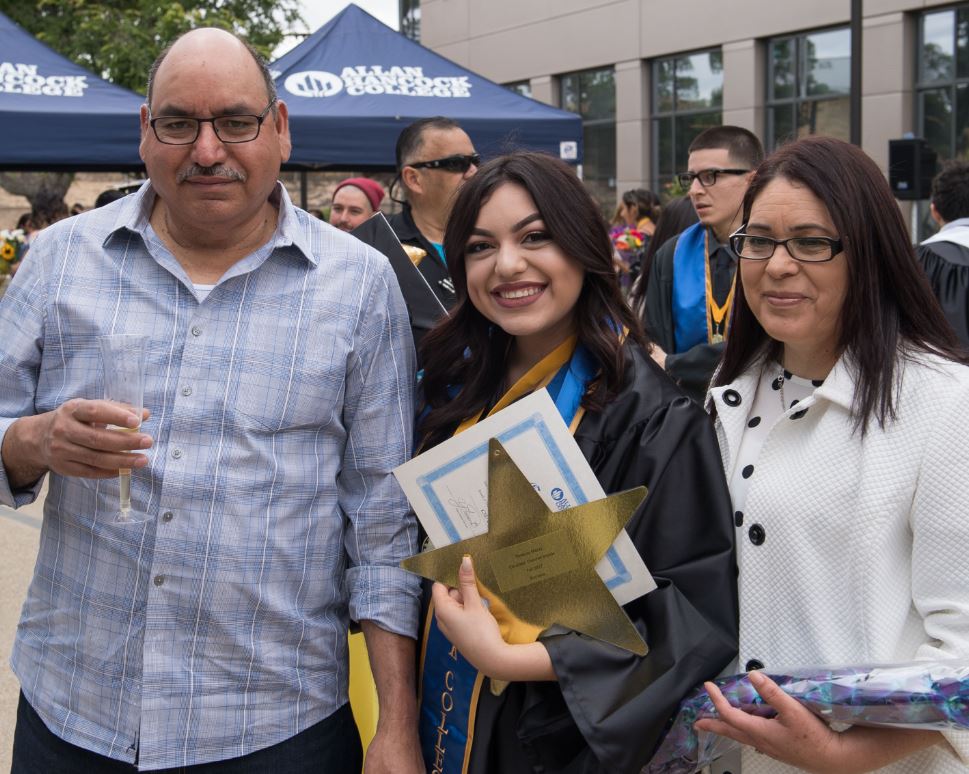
x=648, y=75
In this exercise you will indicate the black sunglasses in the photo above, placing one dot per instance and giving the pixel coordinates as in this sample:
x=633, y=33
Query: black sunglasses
x=457, y=163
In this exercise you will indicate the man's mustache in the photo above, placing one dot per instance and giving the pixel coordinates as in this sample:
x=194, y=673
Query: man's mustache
x=218, y=170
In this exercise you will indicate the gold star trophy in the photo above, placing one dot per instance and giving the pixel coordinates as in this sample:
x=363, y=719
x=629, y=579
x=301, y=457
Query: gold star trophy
x=536, y=567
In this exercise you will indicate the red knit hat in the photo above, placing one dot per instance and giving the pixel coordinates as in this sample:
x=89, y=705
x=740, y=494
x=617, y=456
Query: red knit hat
x=371, y=189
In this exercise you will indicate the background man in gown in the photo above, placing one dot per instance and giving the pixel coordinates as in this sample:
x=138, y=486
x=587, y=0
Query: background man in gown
x=945, y=256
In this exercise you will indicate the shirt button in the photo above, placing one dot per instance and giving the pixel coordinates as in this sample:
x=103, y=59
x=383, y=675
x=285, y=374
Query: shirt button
x=186, y=391
x=756, y=534
x=753, y=665
x=168, y=516
x=731, y=398
x=177, y=454
x=159, y=580
x=196, y=331
x=738, y=518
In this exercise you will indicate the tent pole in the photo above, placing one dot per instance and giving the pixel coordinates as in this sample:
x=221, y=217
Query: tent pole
x=302, y=188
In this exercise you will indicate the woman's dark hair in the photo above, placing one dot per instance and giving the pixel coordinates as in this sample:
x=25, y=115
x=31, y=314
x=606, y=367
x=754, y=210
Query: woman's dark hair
x=646, y=202
x=466, y=350
x=677, y=215
x=888, y=306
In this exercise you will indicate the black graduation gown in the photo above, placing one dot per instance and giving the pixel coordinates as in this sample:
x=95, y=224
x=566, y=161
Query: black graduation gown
x=946, y=265
x=692, y=369
x=434, y=271
x=609, y=707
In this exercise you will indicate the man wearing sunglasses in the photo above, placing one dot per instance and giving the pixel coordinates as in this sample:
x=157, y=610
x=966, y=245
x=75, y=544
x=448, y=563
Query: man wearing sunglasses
x=434, y=157
x=691, y=280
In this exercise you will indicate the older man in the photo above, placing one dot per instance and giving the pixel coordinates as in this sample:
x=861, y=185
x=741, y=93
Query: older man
x=213, y=627
x=355, y=200
x=434, y=157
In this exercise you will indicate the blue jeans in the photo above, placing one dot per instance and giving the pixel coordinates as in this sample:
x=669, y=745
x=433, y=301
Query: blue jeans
x=332, y=746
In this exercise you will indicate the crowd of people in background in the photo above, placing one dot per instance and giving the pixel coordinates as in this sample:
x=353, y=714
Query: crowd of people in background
x=766, y=353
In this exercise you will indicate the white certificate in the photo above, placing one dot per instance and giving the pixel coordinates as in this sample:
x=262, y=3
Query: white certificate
x=448, y=485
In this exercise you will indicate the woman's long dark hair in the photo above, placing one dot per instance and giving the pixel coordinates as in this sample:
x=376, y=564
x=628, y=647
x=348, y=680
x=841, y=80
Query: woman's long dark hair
x=466, y=350
x=677, y=215
x=889, y=306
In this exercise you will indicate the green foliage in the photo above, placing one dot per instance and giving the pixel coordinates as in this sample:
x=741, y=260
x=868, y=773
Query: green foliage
x=119, y=39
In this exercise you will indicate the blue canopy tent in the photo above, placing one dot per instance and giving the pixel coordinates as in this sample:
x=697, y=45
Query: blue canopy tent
x=353, y=85
x=55, y=115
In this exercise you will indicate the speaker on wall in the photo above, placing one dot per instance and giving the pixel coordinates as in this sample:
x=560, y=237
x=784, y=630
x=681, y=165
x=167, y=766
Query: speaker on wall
x=911, y=167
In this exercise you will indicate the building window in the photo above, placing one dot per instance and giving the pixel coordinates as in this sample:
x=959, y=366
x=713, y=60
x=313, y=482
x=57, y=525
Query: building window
x=942, y=91
x=687, y=98
x=808, y=86
x=520, y=87
x=592, y=94
x=410, y=19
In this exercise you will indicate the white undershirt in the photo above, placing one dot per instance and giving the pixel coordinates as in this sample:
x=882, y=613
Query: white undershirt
x=202, y=291
x=766, y=410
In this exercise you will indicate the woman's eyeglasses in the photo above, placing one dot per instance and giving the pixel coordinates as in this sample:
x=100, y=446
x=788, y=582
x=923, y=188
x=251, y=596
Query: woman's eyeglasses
x=809, y=249
x=457, y=163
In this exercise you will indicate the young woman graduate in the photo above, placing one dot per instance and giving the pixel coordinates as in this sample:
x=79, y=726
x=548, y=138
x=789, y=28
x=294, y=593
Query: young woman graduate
x=539, y=306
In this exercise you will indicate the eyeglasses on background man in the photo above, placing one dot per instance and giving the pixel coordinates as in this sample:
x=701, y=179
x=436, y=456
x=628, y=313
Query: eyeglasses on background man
x=184, y=130
x=707, y=177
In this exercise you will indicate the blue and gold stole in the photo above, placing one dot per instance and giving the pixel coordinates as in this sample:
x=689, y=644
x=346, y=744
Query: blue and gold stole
x=690, y=303
x=450, y=685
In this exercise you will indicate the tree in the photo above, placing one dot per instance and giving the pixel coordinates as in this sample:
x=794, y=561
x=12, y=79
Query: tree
x=119, y=39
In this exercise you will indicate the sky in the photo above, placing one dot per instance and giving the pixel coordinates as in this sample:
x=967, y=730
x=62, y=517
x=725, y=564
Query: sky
x=319, y=12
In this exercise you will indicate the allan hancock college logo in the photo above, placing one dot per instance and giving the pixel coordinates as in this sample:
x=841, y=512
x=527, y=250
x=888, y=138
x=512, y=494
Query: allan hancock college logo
x=17, y=78
x=376, y=79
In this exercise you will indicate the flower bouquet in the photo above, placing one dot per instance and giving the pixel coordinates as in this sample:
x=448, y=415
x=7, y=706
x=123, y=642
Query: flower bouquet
x=920, y=695
x=628, y=240
x=11, y=248
x=628, y=243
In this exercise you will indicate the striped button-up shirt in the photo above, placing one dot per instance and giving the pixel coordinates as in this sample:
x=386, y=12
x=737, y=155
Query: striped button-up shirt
x=214, y=624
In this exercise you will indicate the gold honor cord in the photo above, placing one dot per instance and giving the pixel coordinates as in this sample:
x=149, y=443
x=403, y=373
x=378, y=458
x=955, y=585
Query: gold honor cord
x=717, y=321
x=538, y=376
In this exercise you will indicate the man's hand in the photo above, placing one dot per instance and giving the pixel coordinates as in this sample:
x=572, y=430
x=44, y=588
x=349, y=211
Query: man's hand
x=74, y=440
x=394, y=750
x=395, y=746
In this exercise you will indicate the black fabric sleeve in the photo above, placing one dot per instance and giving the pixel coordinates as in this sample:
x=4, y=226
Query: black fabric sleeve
x=619, y=702
x=658, y=314
x=693, y=369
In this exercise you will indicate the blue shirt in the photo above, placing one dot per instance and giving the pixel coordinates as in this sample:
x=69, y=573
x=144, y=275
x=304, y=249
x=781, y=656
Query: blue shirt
x=280, y=405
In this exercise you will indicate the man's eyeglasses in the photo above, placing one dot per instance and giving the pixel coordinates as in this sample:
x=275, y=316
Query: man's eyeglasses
x=457, y=163
x=810, y=249
x=184, y=130
x=707, y=177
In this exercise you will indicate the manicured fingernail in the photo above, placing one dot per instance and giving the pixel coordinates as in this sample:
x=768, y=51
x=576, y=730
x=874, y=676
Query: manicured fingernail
x=466, y=562
x=146, y=442
x=755, y=676
x=132, y=421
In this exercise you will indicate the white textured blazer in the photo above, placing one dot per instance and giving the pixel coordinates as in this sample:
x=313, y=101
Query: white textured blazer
x=855, y=550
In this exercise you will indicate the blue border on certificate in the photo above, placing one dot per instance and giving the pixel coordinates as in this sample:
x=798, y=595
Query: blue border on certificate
x=534, y=423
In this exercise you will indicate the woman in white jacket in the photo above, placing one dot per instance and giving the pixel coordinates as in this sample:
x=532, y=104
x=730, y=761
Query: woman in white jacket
x=842, y=409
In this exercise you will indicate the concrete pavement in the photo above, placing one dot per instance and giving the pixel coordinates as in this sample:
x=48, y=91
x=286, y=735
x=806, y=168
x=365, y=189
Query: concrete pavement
x=21, y=532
